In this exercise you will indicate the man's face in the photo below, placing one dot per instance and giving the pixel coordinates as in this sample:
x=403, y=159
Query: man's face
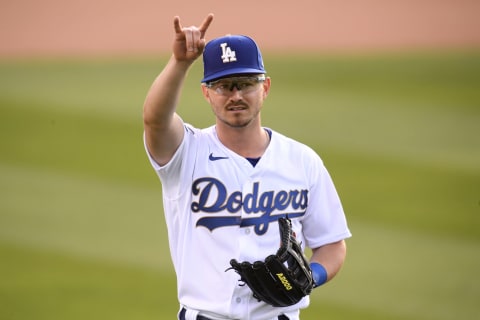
x=236, y=101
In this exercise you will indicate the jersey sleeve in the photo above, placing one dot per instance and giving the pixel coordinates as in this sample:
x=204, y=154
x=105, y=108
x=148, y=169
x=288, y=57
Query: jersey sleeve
x=325, y=220
x=170, y=173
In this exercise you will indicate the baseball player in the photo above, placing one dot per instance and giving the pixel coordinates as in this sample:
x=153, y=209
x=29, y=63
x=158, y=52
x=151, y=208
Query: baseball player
x=226, y=188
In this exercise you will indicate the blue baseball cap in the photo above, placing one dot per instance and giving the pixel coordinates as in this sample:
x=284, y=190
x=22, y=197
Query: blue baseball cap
x=231, y=55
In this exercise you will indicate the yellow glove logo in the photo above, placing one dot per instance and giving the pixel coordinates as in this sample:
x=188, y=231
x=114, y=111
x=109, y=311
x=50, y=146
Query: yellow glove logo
x=284, y=281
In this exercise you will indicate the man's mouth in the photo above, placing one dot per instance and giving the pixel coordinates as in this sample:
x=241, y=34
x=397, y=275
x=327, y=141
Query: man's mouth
x=236, y=108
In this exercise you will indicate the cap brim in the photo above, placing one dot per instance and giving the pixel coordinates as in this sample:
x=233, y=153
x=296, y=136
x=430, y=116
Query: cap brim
x=231, y=72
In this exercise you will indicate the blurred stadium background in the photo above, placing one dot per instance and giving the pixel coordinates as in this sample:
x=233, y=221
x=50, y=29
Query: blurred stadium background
x=387, y=92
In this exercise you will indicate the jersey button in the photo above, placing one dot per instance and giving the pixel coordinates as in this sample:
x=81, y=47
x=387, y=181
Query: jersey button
x=238, y=300
x=247, y=231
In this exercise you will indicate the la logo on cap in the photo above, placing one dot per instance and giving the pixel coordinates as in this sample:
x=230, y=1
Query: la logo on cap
x=228, y=55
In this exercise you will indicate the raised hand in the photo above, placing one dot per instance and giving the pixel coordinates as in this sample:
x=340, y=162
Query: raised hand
x=190, y=41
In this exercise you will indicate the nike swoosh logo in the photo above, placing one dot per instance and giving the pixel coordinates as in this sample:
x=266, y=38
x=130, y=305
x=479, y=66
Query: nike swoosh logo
x=211, y=157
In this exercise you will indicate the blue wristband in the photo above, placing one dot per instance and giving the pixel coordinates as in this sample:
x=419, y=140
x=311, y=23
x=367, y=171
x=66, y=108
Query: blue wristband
x=319, y=274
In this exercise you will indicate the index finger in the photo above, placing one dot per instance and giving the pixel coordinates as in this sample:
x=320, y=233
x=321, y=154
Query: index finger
x=176, y=24
x=205, y=24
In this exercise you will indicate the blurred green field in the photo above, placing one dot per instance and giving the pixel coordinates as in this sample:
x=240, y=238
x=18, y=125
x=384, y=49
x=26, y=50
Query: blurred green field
x=82, y=234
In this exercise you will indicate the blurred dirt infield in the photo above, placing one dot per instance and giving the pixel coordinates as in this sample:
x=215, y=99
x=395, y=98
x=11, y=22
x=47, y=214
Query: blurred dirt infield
x=108, y=27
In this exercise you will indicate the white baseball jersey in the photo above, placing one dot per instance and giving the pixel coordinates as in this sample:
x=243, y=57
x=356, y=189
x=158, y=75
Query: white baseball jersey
x=218, y=206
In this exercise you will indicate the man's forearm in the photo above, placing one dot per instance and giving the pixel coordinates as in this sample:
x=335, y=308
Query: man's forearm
x=331, y=257
x=162, y=98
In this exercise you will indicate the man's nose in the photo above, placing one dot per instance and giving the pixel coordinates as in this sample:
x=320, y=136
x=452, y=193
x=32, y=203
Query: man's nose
x=235, y=94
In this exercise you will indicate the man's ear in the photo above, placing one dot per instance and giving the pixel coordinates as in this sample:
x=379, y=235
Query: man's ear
x=266, y=87
x=206, y=93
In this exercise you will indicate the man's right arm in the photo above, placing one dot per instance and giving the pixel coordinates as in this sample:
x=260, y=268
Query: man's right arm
x=163, y=127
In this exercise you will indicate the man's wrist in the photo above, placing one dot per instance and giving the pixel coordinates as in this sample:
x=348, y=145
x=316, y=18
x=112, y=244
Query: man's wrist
x=319, y=274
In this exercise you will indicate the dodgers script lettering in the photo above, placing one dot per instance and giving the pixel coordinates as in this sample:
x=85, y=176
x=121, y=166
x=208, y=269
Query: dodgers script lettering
x=213, y=197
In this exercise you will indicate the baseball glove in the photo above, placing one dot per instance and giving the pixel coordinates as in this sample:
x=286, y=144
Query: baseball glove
x=284, y=278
